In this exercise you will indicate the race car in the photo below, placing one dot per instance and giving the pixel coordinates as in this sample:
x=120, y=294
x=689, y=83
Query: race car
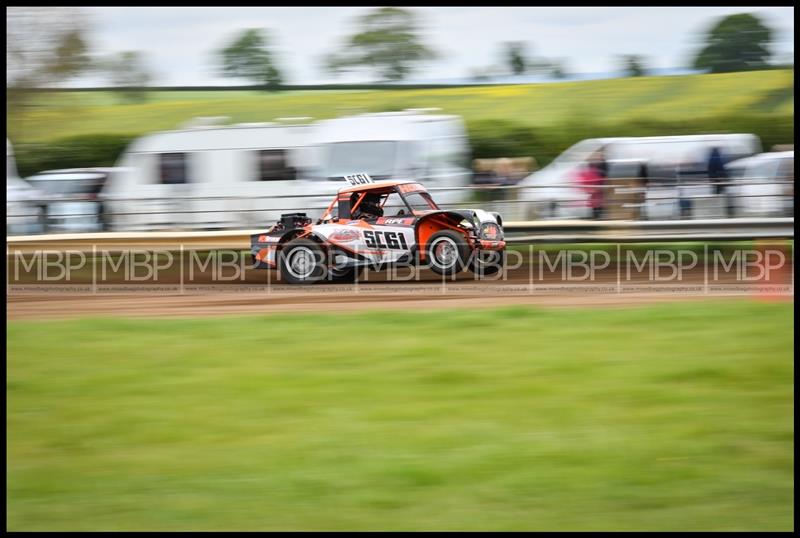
x=379, y=224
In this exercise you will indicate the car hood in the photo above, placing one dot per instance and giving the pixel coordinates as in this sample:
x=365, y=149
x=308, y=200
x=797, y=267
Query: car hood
x=477, y=216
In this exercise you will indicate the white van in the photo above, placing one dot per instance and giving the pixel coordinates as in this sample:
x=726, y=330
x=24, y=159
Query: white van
x=72, y=198
x=208, y=177
x=23, y=208
x=553, y=192
x=763, y=185
x=413, y=144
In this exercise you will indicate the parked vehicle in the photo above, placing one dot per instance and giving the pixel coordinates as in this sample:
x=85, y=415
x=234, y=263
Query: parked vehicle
x=553, y=192
x=217, y=176
x=23, y=207
x=414, y=144
x=763, y=185
x=73, y=204
x=379, y=224
x=208, y=176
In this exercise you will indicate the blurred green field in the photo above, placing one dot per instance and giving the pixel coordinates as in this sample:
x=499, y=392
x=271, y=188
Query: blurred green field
x=672, y=98
x=669, y=417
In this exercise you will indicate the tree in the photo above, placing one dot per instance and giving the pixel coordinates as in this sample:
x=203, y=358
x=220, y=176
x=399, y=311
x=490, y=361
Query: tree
x=248, y=57
x=736, y=43
x=558, y=69
x=45, y=46
x=129, y=73
x=479, y=75
x=540, y=66
x=515, y=56
x=633, y=65
x=387, y=43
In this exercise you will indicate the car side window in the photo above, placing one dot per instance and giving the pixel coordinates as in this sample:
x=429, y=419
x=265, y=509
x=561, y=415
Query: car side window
x=394, y=205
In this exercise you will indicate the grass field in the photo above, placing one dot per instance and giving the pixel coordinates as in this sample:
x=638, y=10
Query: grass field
x=652, y=98
x=670, y=417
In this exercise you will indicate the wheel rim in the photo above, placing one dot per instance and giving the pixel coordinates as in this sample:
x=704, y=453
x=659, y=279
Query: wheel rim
x=301, y=262
x=444, y=252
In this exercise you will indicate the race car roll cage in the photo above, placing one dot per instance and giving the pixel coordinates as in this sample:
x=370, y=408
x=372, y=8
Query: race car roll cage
x=345, y=211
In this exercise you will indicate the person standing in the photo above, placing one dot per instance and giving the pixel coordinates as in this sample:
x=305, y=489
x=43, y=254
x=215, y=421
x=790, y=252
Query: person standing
x=600, y=180
x=640, y=198
x=683, y=180
x=591, y=181
x=718, y=176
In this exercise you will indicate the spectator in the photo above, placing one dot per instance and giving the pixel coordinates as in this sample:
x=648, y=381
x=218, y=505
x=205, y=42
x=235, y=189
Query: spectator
x=640, y=200
x=598, y=164
x=591, y=181
x=718, y=177
x=482, y=172
x=503, y=172
x=599, y=159
x=683, y=178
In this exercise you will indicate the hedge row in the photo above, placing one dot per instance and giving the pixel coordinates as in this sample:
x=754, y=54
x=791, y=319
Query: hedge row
x=488, y=138
x=492, y=139
x=71, y=152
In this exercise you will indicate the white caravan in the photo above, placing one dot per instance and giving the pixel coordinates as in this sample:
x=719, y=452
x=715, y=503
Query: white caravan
x=413, y=144
x=246, y=175
x=208, y=177
x=554, y=193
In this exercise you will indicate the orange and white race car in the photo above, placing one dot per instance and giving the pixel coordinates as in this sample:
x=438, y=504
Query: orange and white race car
x=376, y=225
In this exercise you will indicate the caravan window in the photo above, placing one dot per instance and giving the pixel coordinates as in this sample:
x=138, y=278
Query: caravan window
x=173, y=168
x=272, y=165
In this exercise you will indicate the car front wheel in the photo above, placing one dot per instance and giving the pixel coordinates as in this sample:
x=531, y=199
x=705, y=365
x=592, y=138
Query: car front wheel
x=447, y=252
x=487, y=262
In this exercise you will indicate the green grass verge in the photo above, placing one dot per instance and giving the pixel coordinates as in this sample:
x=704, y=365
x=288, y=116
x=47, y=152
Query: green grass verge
x=670, y=417
x=676, y=98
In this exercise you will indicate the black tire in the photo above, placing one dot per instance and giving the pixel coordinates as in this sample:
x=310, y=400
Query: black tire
x=487, y=262
x=447, y=253
x=344, y=276
x=302, y=261
x=338, y=274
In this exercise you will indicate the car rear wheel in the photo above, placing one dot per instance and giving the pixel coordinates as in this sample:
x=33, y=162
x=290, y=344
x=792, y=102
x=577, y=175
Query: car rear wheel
x=302, y=262
x=447, y=252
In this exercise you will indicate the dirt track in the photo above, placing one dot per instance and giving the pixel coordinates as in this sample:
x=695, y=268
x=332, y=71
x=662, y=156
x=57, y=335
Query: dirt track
x=248, y=299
